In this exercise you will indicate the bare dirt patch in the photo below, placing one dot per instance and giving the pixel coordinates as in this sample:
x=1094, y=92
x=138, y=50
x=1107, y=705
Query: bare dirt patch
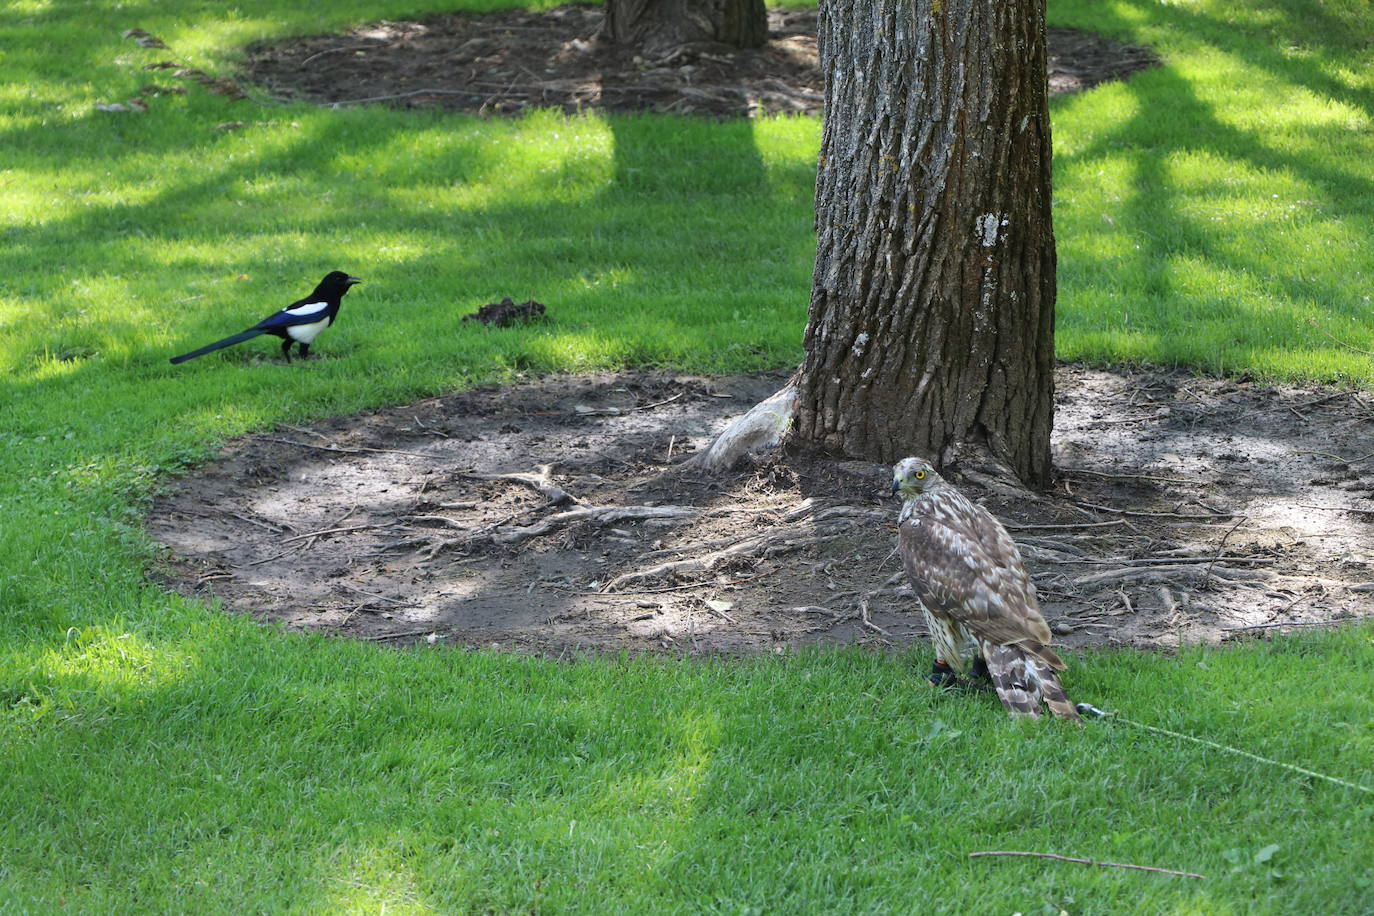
x=1185, y=508
x=508, y=61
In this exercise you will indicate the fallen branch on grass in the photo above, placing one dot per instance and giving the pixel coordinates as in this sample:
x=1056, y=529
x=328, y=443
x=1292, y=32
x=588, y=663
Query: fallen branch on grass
x=403, y=634
x=1328, y=335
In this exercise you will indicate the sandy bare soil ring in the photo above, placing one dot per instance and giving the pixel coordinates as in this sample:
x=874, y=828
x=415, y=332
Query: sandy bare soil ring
x=552, y=515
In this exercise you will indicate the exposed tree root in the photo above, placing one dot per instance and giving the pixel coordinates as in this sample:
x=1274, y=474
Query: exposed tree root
x=1192, y=574
x=768, y=544
x=541, y=480
x=601, y=515
x=976, y=463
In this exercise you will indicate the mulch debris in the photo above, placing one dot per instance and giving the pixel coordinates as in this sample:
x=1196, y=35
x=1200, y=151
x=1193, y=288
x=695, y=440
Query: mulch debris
x=506, y=312
x=510, y=61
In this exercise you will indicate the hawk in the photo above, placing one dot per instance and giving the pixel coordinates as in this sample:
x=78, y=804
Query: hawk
x=977, y=599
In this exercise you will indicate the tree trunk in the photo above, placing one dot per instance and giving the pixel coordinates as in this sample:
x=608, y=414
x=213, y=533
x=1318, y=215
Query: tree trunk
x=931, y=327
x=658, y=26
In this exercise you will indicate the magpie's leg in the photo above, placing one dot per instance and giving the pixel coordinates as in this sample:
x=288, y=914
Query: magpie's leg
x=304, y=352
x=286, y=348
x=979, y=671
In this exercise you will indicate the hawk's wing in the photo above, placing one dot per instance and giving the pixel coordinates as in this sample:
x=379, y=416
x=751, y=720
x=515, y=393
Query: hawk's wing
x=963, y=564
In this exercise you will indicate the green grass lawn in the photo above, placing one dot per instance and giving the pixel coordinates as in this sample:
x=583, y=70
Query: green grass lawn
x=158, y=755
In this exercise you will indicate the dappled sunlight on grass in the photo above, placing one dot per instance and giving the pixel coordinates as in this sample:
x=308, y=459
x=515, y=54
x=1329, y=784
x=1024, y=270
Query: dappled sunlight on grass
x=230, y=416
x=272, y=256
x=1281, y=358
x=598, y=281
x=371, y=879
x=572, y=351
x=671, y=790
x=1086, y=120
x=788, y=145
x=96, y=666
x=1207, y=210
x=45, y=197
x=160, y=754
x=474, y=165
x=29, y=7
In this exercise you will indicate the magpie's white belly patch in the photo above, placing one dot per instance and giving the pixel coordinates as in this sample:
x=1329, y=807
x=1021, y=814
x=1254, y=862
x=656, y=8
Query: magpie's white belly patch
x=306, y=333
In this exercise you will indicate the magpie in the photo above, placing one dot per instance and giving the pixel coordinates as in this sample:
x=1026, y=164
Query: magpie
x=300, y=322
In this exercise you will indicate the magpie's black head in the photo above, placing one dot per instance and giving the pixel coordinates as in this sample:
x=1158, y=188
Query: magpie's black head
x=336, y=282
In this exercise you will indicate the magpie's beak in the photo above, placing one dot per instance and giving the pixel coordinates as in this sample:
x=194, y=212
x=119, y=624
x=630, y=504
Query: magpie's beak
x=352, y=281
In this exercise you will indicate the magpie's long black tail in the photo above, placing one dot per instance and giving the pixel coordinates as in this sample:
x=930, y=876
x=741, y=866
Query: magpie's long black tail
x=218, y=345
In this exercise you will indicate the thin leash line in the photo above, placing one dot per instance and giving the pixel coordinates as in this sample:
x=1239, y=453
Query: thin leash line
x=1088, y=708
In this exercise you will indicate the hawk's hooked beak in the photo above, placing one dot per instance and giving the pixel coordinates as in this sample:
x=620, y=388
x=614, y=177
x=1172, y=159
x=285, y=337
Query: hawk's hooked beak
x=896, y=485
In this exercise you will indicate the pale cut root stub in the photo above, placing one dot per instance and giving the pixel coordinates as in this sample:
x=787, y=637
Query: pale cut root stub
x=762, y=427
x=766, y=425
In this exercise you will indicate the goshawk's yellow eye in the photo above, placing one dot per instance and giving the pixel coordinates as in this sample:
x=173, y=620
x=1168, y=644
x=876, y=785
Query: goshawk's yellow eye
x=920, y=475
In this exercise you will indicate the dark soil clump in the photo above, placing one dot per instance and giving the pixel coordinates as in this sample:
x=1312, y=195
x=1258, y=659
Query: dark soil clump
x=507, y=312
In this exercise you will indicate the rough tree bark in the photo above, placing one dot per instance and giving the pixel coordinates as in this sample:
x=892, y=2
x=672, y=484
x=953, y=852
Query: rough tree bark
x=658, y=26
x=931, y=327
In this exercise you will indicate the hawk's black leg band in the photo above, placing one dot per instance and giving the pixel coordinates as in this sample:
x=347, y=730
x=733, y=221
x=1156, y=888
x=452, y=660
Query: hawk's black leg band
x=942, y=675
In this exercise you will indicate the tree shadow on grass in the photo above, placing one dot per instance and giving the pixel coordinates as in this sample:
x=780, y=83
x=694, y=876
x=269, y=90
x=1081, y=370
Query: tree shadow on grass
x=603, y=242
x=1178, y=246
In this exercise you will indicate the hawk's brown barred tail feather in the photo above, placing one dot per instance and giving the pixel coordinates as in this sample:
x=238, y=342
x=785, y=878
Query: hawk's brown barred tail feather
x=1014, y=678
x=1023, y=681
x=1055, y=697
